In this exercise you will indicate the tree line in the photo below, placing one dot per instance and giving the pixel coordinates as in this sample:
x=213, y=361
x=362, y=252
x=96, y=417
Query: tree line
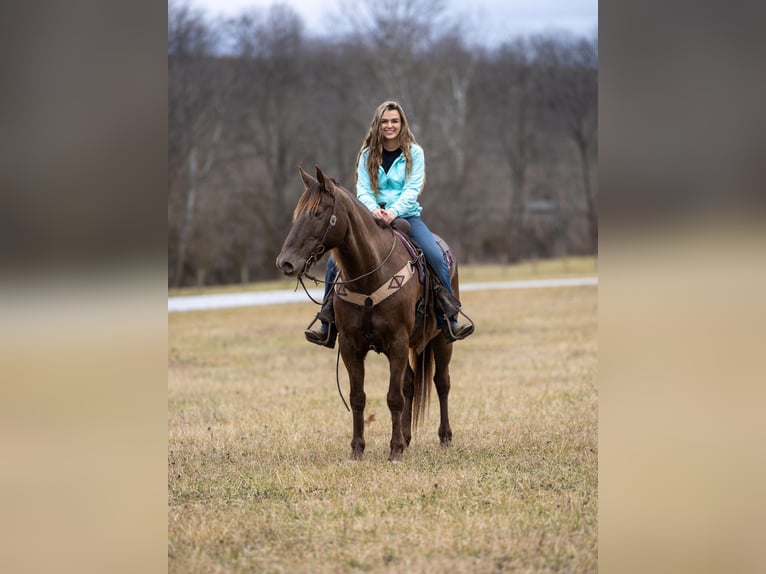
x=509, y=132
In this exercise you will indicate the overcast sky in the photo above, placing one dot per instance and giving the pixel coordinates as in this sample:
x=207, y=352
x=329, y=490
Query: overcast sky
x=495, y=19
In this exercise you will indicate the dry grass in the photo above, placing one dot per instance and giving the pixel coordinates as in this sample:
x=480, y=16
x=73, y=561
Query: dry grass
x=259, y=477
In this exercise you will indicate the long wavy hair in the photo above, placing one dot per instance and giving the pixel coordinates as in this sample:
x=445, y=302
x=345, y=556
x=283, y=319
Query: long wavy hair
x=374, y=141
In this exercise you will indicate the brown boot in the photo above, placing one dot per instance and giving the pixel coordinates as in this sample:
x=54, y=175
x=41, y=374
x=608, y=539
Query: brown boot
x=453, y=331
x=327, y=332
x=450, y=306
x=446, y=301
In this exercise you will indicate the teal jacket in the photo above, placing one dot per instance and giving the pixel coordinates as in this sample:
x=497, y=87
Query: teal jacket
x=398, y=193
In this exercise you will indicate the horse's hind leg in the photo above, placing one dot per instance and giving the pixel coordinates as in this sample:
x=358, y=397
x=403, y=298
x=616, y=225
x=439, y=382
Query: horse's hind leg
x=409, y=393
x=442, y=357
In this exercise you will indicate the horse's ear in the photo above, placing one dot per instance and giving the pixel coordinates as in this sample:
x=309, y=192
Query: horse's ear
x=324, y=181
x=307, y=179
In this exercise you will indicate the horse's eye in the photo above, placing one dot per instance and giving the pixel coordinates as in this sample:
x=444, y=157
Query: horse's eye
x=316, y=213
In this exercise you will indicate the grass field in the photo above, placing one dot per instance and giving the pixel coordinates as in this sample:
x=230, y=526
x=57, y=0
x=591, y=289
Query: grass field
x=259, y=476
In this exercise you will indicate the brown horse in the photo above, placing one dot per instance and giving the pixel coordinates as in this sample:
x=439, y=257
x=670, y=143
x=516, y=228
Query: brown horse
x=372, y=260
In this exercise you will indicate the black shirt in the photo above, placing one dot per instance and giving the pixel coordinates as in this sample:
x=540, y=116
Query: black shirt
x=389, y=157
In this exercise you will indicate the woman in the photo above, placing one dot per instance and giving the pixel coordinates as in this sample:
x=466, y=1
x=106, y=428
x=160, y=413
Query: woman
x=390, y=174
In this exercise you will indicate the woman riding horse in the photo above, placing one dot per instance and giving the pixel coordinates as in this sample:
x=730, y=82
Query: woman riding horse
x=390, y=175
x=381, y=306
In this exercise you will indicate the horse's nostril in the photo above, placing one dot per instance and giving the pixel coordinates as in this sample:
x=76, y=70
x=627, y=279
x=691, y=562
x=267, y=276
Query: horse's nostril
x=287, y=267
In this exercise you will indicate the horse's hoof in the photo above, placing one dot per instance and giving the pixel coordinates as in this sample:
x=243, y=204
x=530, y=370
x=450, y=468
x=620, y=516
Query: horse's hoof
x=396, y=455
x=357, y=454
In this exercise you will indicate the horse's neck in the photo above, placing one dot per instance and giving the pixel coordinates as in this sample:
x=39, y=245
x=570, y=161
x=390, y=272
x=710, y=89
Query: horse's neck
x=364, y=250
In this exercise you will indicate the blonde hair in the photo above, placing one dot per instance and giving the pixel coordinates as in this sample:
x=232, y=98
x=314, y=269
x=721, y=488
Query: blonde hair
x=374, y=141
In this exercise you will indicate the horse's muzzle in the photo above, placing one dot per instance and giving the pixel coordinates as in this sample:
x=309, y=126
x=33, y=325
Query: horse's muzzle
x=286, y=266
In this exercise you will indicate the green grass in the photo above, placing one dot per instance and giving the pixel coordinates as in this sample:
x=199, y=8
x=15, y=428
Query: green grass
x=259, y=476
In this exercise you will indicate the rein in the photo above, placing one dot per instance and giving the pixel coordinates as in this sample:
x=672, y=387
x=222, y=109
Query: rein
x=319, y=250
x=386, y=258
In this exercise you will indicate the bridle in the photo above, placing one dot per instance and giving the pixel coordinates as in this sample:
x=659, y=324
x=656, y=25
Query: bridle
x=319, y=248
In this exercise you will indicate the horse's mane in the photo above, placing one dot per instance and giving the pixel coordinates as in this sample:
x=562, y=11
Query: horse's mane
x=309, y=201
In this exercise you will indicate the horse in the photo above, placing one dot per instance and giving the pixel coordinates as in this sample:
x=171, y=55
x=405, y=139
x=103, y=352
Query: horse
x=372, y=259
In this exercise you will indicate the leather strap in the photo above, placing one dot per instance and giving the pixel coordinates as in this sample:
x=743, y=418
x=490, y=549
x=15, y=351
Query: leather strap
x=397, y=281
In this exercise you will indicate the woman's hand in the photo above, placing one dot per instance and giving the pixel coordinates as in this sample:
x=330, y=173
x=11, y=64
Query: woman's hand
x=386, y=215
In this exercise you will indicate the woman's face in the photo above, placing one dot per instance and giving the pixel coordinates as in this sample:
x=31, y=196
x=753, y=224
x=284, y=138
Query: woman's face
x=390, y=125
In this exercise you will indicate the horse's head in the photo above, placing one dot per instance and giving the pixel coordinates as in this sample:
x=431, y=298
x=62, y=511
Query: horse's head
x=316, y=228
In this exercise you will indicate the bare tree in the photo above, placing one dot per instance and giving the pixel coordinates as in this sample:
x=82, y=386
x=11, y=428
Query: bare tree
x=395, y=35
x=509, y=91
x=570, y=68
x=450, y=149
x=269, y=115
x=196, y=109
x=341, y=86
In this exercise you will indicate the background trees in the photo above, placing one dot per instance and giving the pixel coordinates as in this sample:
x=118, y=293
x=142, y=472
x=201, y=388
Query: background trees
x=509, y=132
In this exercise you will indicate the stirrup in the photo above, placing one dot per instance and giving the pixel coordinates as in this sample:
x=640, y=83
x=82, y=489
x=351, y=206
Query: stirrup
x=316, y=337
x=465, y=330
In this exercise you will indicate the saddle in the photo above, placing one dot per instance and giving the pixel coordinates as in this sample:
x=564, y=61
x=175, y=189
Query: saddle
x=434, y=291
x=402, y=229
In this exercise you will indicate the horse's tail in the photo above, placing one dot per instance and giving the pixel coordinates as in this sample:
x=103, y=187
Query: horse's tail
x=423, y=367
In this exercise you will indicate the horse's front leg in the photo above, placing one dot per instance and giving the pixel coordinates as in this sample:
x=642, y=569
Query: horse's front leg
x=397, y=360
x=357, y=398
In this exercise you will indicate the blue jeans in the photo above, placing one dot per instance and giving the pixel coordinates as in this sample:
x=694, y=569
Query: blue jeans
x=431, y=250
x=433, y=253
